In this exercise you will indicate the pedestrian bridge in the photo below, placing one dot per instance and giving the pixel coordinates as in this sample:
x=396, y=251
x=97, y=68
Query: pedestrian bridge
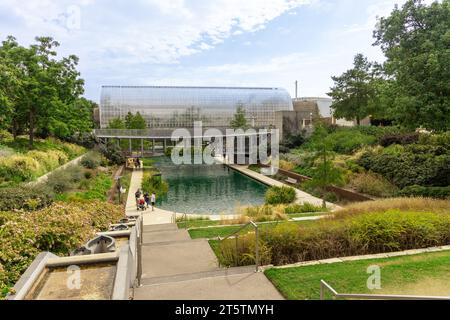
x=154, y=141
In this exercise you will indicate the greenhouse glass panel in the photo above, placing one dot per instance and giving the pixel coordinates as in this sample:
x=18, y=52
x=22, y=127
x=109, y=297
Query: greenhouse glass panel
x=179, y=107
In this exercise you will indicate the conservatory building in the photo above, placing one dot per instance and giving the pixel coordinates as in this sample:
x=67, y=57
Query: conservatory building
x=180, y=107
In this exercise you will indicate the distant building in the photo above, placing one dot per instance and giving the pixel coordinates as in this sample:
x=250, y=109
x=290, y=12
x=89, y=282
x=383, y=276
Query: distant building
x=180, y=107
x=325, y=111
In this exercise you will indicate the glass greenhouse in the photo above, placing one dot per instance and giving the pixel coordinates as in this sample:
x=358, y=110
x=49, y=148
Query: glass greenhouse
x=179, y=107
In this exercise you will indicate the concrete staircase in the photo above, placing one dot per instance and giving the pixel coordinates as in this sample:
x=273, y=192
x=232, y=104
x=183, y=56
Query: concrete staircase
x=175, y=267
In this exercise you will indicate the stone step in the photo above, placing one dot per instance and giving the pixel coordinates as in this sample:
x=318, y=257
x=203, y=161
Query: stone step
x=165, y=236
x=177, y=258
x=220, y=272
x=160, y=227
x=241, y=286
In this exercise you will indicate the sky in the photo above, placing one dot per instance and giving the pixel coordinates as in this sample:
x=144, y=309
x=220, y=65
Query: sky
x=256, y=43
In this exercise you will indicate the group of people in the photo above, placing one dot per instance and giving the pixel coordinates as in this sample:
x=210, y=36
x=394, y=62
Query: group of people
x=134, y=163
x=145, y=200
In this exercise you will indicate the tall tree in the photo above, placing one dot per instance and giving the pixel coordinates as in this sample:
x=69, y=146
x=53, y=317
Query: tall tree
x=42, y=93
x=239, y=121
x=117, y=123
x=12, y=75
x=136, y=122
x=325, y=173
x=416, y=42
x=353, y=91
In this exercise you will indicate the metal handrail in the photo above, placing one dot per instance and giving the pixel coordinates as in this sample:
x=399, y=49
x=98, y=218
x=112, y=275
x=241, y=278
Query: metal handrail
x=235, y=234
x=325, y=286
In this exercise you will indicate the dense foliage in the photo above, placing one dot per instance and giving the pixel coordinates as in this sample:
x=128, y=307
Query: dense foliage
x=366, y=232
x=280, y=195
x=431, y=192
x=41, y=95
x=25, y=198
x=423, y=165
x=19, y=165
x=59, y=229
x=416, y=42
x=153, y=183
x=412, y=87
x=354, y=91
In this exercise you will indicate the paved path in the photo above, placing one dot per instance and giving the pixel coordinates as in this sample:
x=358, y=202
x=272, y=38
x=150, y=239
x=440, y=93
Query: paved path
x=175, y=267
x=301, y=195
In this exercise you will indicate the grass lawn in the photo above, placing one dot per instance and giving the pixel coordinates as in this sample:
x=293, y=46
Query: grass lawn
x=422, y=274
x=214, y=232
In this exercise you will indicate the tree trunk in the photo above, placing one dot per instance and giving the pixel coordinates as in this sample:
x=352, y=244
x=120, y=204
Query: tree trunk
x=358, y=121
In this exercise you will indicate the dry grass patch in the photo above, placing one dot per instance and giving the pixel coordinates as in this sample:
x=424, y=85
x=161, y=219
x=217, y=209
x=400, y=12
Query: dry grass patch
x=402, y=204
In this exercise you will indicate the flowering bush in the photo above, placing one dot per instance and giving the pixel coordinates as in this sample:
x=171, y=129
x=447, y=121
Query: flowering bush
x=28, y=165
x=59, y=229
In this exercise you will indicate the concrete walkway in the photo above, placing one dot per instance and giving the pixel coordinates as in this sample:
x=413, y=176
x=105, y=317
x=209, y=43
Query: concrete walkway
x=301, y=195
x=175, y=267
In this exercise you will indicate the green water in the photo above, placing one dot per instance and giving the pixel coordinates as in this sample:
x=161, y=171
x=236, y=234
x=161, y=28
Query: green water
x=207, y=189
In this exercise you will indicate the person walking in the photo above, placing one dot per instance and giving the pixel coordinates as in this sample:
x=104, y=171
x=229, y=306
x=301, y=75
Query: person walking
x=147, y=199
x=153, y=200
x=137, y=195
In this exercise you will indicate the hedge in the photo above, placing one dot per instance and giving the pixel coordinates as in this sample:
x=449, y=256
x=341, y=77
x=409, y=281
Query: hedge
x=25, y=198
x=429, y=192
x=418, y=165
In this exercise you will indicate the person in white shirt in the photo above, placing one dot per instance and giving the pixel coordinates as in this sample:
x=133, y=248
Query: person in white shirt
x=153, y=200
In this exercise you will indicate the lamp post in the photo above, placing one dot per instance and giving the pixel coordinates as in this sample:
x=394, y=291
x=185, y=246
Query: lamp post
x=119, y=187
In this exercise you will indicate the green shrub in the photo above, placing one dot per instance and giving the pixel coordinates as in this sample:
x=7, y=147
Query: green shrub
x=5, y=136
x=410, y=168
x=25, y=198
x=65, y=179
x=148, y=162
x=99, y=188
x=19, y=168
x=306, y=207
x=59, y=228
x=152, y=183
x=49, y=160
x=399, y=138
x=113, y=153
x=429, y=192
x=372, y=184
x=348, y=141
x=370, y=233
x=27, y=165
x=91, y=161
x=280, y=195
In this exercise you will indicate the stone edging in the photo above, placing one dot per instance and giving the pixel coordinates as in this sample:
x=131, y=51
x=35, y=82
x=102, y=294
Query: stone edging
x=356, y=258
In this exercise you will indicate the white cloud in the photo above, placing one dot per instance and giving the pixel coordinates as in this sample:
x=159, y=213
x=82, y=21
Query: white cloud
x=150, y=31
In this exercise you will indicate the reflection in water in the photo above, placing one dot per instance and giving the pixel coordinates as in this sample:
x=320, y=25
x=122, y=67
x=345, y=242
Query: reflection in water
x=207, y=189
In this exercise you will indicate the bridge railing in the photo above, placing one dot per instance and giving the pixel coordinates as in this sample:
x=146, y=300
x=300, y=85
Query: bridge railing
x=158, y=133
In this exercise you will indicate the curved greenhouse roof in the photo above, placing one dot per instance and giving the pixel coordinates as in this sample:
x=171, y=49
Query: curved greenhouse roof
x=176, y=107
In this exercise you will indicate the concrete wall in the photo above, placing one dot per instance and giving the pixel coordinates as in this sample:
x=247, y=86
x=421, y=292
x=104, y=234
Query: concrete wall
x=293, y=122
